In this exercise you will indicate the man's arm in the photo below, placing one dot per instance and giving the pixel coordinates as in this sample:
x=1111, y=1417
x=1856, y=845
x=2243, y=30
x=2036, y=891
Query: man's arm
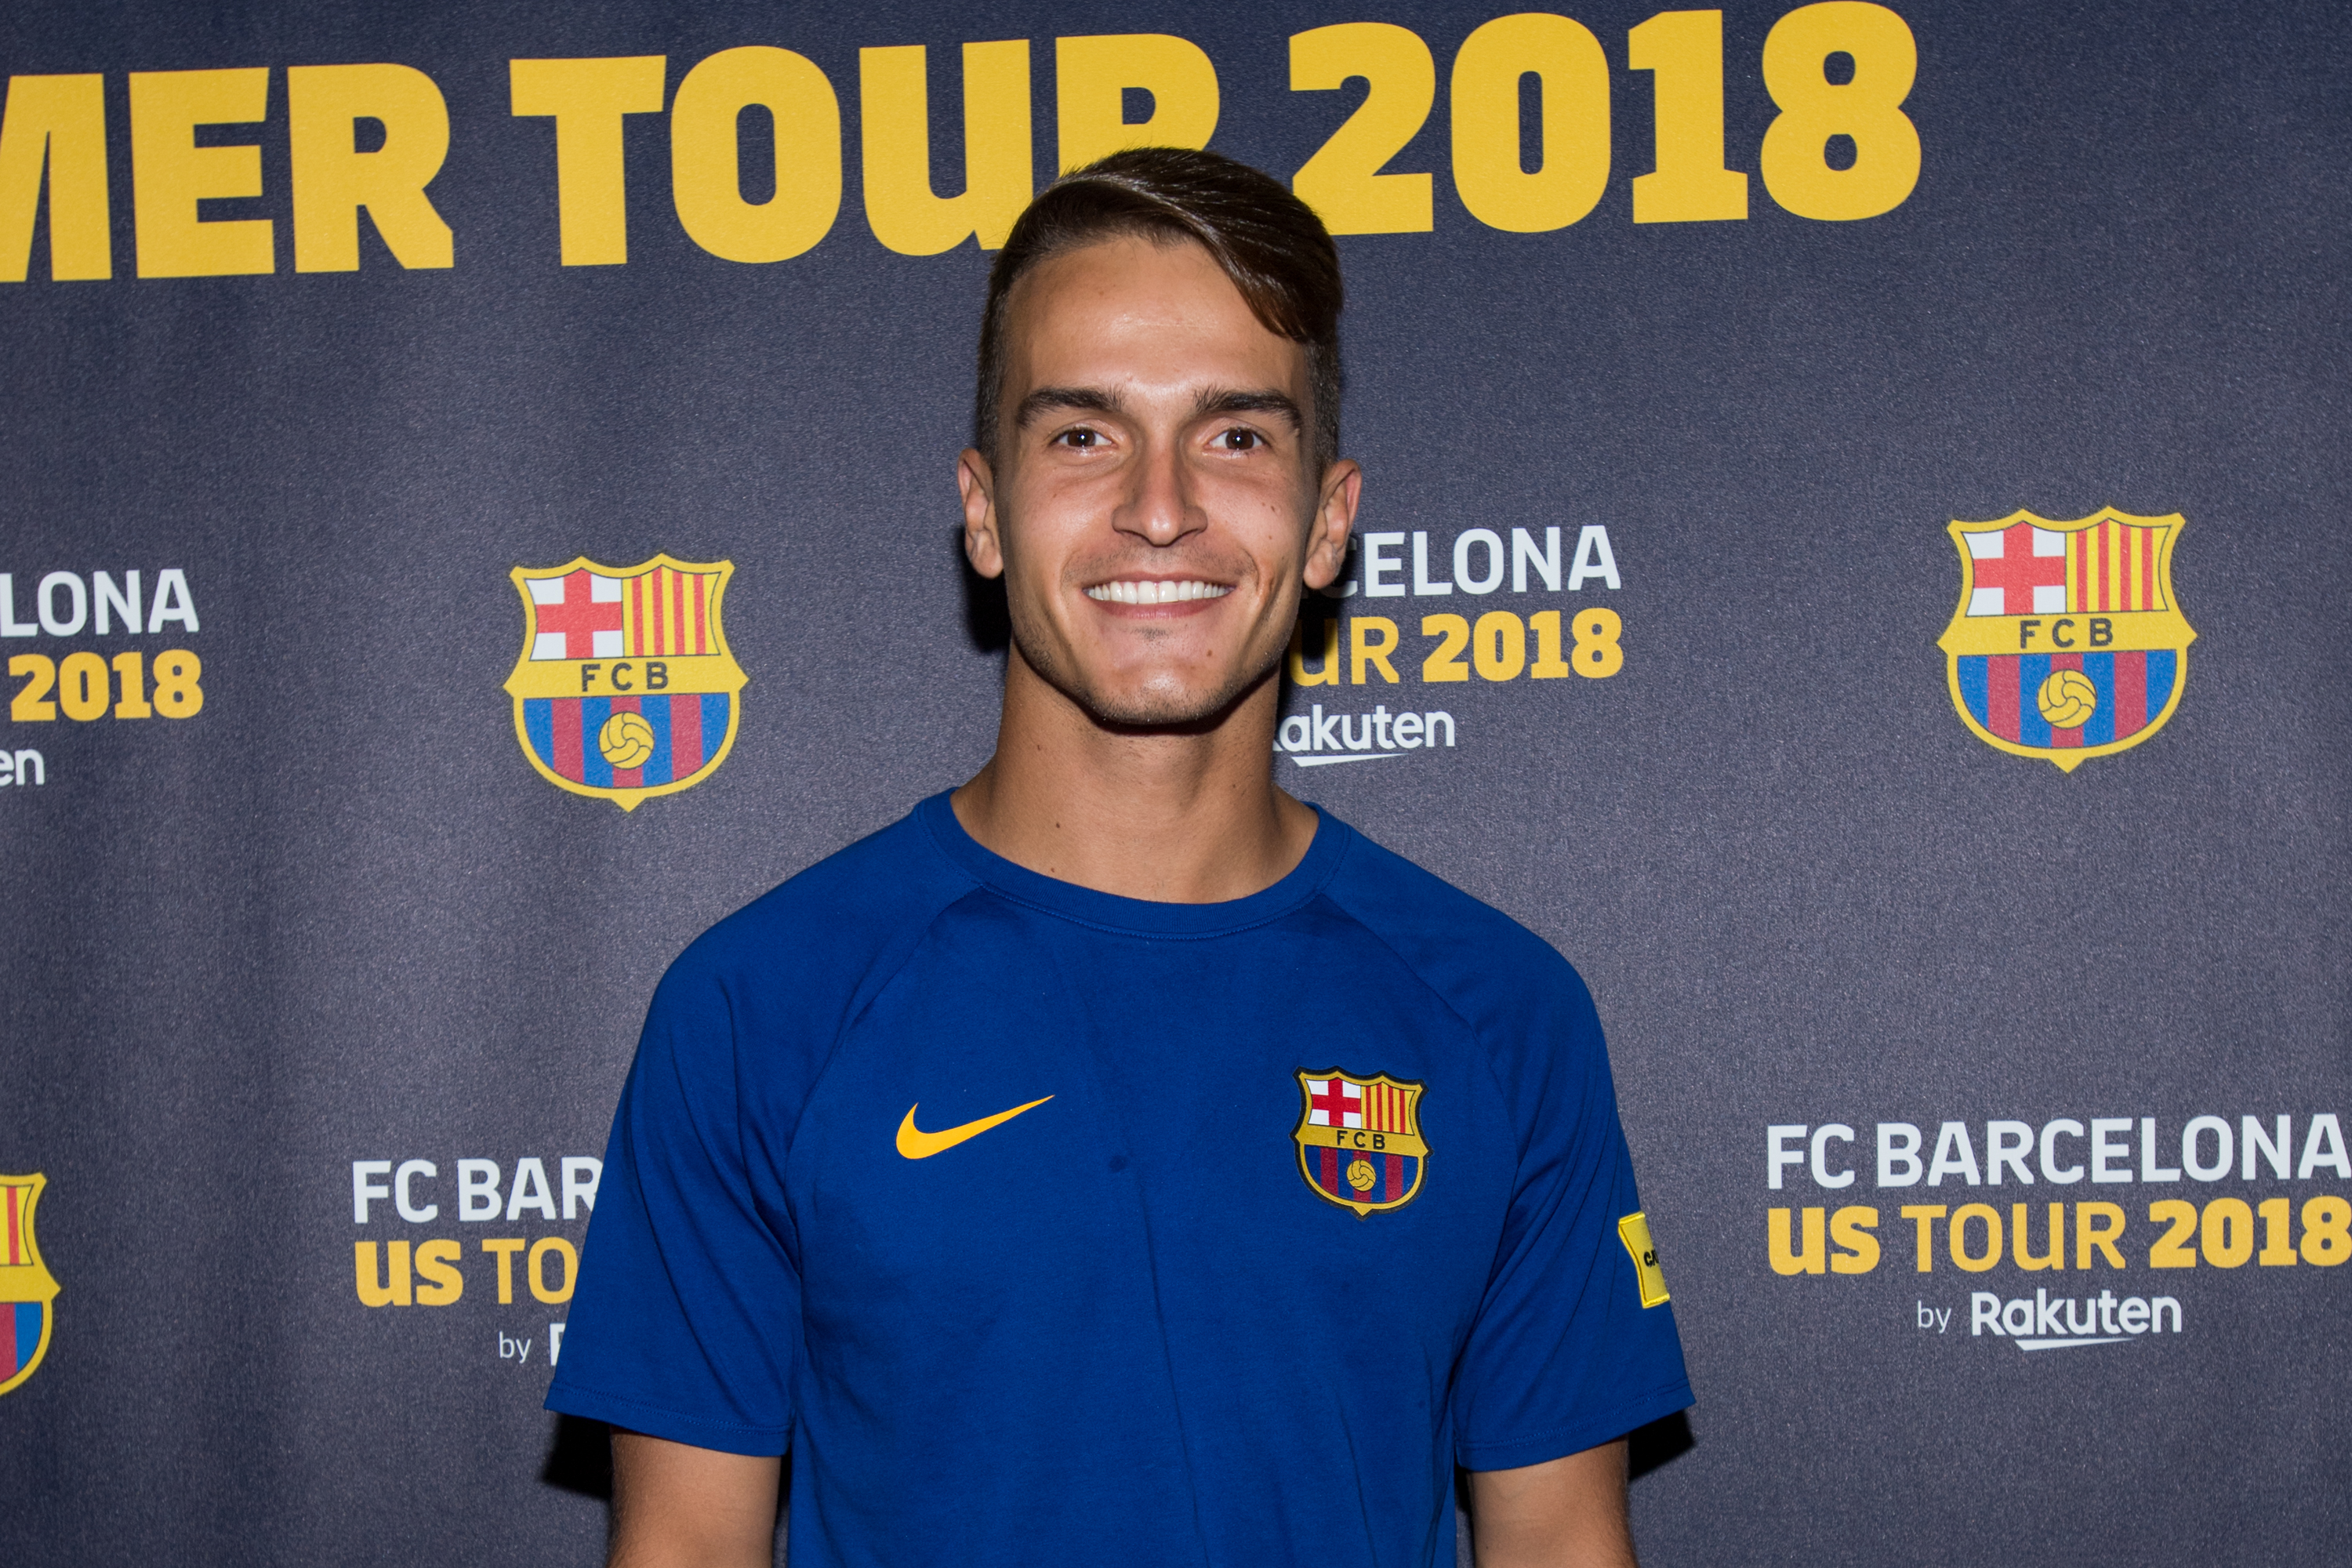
x=1564, y=1513
x=679, y=1507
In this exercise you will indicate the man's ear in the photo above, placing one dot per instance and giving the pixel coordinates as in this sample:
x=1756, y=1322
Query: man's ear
x=1335, y=518
x=981, y=545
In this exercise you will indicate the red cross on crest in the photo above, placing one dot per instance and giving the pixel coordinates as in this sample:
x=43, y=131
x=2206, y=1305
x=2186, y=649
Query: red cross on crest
x=571, y=612
x=1335, y=1102
x=2028, y=558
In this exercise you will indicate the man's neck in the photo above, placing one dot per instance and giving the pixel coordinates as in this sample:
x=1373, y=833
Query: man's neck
x=1188, y=817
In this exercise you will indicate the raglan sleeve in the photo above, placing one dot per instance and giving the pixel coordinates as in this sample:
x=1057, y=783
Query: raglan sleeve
x=686, y=1322
x=1574, y=1343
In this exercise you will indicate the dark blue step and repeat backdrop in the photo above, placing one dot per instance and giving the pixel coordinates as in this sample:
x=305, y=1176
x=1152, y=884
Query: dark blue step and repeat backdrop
x=1853, y=554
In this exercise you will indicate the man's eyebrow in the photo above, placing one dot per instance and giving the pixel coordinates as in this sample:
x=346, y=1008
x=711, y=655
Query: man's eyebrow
x=1047, y=399
x=1264, y=402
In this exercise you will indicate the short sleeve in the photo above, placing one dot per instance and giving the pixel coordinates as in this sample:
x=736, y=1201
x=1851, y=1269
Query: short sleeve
x=1564, y=1353
x=687, y=1322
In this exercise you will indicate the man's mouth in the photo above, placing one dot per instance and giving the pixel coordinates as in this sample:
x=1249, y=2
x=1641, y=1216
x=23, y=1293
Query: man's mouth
x=1156, y=591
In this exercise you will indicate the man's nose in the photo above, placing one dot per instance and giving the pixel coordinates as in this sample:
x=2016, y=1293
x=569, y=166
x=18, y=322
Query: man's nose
x=1159, y=507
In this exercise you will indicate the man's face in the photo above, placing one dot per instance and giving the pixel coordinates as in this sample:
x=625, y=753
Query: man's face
x=1155, y=506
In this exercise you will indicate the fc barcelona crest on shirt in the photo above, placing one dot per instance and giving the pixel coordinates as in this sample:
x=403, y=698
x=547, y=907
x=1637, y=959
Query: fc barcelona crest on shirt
x=27, y=1288
x=1359, y=1139
x=625, y=688
x=2068, y=642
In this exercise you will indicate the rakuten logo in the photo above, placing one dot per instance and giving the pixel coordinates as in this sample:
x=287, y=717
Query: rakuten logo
x=1315, y=739
x=2055, y=1323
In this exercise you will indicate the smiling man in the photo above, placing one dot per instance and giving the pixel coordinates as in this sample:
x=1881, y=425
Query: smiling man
x=1116, y=1160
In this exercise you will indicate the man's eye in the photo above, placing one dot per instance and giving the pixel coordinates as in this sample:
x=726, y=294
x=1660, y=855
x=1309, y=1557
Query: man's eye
x=1241, y=440
x=1083, y=440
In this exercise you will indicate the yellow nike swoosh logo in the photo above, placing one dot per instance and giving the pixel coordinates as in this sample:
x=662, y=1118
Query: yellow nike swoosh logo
x=916, y=1145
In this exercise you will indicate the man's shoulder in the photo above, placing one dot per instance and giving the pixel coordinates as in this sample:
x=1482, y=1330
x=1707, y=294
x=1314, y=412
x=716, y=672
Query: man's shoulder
x=840, y=914
x=1488, y=967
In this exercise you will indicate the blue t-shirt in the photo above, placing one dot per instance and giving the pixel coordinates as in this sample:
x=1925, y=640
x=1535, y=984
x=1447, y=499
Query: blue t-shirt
x=1042, y=1226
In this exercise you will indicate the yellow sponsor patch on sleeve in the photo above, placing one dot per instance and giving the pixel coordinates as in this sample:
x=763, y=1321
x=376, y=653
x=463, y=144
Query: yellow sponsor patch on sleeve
x=1634, y=1231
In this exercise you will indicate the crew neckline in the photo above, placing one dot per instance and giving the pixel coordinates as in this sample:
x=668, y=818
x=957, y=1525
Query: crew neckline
x=1145, y=917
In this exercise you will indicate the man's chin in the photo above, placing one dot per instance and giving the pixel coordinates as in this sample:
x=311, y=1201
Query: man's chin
x=1158, y=704
x=1163, y=706
x=1160, y=712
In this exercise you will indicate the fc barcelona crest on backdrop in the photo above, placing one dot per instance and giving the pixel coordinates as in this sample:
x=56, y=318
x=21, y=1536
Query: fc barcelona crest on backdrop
x=1359, y=1140
x=625, y=688
x=27, y=1288
x=2068, y=642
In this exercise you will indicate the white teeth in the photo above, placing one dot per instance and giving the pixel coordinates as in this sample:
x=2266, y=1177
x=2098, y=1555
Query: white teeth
x=1131, y=592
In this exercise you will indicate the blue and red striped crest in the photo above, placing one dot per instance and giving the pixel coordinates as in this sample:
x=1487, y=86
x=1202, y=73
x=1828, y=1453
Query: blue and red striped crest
x=624, y=687
x=2068, y=642
x=1359, y=1143
x=26, y=1288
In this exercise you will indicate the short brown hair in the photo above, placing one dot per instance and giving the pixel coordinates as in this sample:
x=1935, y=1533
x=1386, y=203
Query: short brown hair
x=1271, y=244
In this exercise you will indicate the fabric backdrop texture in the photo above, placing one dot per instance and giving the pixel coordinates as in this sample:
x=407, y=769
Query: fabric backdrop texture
x=1852, y=554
